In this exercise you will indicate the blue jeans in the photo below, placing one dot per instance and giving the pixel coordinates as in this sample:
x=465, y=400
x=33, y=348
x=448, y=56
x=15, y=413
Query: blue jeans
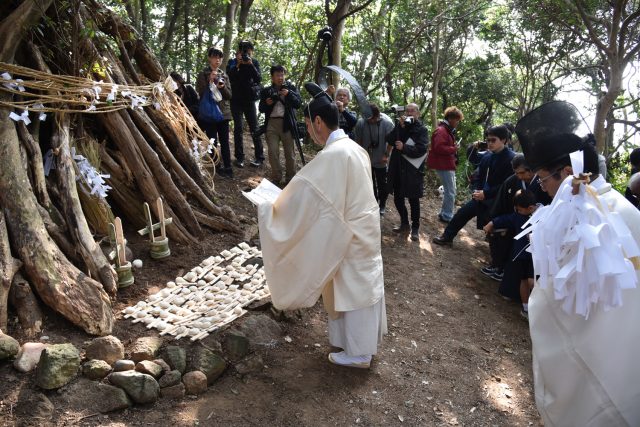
x=448, y=181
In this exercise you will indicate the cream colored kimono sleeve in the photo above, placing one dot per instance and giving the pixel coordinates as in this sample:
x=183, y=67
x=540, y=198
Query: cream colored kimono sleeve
x=304, y=240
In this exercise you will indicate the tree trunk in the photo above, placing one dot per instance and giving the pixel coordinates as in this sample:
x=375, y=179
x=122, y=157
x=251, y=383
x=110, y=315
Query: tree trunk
x=229, y=21
x=9, y=266
x=60, y=284
x=245, y=7
x=13, y=27
x=144, y=20
x=187, y=45
x=38, y=183
x=436, y=79
x=606, y=102
x=79, y=229
x=26, y=305
x=170, y=26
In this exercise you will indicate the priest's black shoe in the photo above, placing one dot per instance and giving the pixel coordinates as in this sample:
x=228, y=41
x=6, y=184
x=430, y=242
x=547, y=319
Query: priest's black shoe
x=402, y=228
x=414, y=234
x=443, y=241
x=239, y=163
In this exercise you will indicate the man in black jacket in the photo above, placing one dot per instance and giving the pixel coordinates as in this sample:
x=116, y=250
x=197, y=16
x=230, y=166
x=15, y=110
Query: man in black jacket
x=407, y=143
x=494, y=169
x=244, y=73
x=278, y=103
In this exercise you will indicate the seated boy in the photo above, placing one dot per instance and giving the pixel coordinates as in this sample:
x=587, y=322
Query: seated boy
x=524, y=205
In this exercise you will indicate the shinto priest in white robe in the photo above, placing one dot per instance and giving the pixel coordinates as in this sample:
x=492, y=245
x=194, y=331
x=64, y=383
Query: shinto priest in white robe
x=586, y=356
x=322, y=237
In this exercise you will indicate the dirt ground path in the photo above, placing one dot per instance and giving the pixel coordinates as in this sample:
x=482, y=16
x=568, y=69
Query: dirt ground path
x=456, y=352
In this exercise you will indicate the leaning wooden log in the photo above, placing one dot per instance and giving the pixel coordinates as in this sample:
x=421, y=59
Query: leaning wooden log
x=35, y=164
x=15, y=25
x=26, y=306
x=78, y=227
x=59, y=283
x=120, y=135
x=9, y=266
x=216, y=223
x=171, y=193
x=59, y=236
x=152, y=133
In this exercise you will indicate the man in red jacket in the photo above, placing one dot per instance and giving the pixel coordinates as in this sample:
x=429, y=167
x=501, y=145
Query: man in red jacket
x=442, y=158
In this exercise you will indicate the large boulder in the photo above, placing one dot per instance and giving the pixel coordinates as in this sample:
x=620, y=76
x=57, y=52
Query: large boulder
x=262, y=331
x=9, y=347
x=251, y=365
x=145, y=348
x=149, y=367
x=107, y=348
x=174, y=392
x=207, y=362
x=170, y=379
x=85, y=395
x=29, y=356
x=195, y=382
x=176, y=357
x=142, y=388
x=96, y=369
x=58, y=365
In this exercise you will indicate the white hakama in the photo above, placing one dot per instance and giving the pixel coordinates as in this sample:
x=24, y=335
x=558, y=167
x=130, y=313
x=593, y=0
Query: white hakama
x=359, y=332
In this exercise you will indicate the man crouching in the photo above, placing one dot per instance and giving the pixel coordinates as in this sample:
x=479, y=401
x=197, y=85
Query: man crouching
x=322, y=237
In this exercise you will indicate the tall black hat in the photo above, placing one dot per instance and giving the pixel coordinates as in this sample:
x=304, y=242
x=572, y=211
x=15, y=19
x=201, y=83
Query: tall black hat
x=320, y=100
x=547, y=134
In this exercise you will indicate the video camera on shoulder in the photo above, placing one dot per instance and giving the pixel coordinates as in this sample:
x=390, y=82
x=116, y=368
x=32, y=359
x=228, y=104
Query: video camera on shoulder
x=399, y=111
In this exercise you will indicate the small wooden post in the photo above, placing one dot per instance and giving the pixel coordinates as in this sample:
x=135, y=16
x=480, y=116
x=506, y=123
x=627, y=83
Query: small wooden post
x=160, y=244
x=123, y=267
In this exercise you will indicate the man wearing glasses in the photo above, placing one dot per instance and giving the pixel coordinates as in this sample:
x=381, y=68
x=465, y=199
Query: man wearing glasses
x=494, y=169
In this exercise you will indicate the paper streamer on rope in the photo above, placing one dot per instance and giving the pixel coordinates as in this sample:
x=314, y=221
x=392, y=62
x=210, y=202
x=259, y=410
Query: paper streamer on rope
x=582, y=250
x=24, y=117
x=94, y=179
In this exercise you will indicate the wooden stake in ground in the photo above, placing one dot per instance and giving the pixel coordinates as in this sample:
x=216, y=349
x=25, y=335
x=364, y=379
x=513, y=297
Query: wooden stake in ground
x=160, y=244
x=123, y=268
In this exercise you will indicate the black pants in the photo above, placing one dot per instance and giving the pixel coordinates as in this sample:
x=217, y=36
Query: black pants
x=414, y=203
x=380, y=189
x=246, y=108
x=465, y=214
x=220, y=131
x=500, y=248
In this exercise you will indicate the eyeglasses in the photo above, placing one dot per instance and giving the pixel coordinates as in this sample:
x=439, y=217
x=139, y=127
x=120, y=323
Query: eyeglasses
x=542, y=180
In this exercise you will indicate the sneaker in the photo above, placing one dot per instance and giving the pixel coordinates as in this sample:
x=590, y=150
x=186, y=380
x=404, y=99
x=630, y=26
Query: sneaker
x=239, y=163
x=342, y=359
x=442, y=219
x=414, y=234
x=402, y=228
x=256, y=163
x=524, y=314
x=497, y=275
x=443, y=241
x=488, y=271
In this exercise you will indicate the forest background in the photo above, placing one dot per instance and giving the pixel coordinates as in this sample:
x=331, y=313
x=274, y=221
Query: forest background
x=496, y=60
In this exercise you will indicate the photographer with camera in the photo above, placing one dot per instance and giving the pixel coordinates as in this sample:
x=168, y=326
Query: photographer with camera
x=347, y=118
x=278, y=103
x=370, y=134
x=406, y=151
x=443, y=159
x=213, y=79
x=244, y=72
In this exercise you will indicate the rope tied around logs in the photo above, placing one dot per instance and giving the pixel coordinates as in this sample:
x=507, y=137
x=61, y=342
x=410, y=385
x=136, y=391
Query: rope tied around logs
x=43, y=93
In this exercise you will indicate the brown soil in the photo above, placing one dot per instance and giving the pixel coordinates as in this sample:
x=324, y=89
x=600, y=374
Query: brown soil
x=456, y=353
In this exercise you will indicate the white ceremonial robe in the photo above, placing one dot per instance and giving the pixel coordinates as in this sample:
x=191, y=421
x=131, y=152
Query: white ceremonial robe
x=587, y=371
x=322, y=234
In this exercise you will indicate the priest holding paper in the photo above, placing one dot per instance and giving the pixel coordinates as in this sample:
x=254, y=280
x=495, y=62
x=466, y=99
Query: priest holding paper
x=584, y=311
x=321, y=236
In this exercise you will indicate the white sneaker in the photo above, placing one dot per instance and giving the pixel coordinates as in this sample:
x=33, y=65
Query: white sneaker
x=342, y=359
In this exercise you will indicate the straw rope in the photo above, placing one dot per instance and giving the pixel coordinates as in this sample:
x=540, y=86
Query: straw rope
x=44, y=92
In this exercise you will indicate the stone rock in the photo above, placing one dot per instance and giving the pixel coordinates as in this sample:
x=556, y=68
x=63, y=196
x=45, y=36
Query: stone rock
x=9, y=347
x=142, y=388
x=148, y=367
x=195, y=382
x=29, y=356
x=206, y=361
x=236, y=345
x=174, y=392
x=165, y=366
x=145, y=348
x=250, y=365
x=34, y=406
x=124, y=365
x=176, y=358
x=262, y=331
x=170, y=379
x=86, y=394
x=58, y=365
x=96, y=369
x=107, y=348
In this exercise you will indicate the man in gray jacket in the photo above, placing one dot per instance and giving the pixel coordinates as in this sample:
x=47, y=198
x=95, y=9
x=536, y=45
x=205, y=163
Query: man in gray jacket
x=370, y=134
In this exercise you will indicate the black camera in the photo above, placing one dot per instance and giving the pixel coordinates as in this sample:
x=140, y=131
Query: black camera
x=483, y=145
x=245, y=46
x=409, y=120
x=325, y=34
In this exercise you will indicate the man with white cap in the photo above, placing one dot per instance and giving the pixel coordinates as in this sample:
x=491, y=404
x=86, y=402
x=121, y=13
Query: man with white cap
x=321, y=236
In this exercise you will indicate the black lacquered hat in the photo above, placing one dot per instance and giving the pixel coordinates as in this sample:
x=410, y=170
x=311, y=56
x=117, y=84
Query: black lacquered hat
x=320, y=99
x=547, y=134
